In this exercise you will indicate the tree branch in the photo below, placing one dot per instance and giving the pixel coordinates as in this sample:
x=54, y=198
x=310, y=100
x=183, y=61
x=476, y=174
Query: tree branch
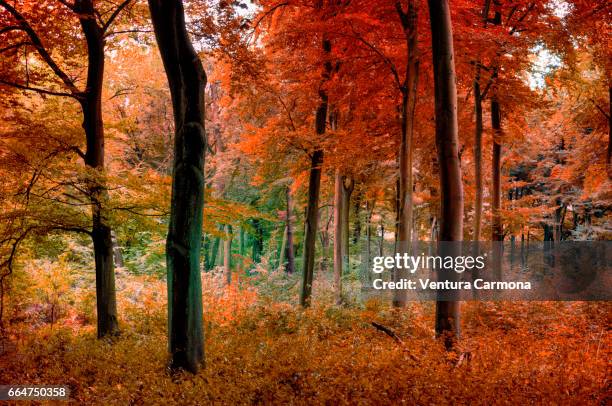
x=37, y=43
x=39, y=90
x=602, y=111
x=115, y=14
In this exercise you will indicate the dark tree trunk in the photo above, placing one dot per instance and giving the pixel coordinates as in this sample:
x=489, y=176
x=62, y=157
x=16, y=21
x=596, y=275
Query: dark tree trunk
x=257, y=248
x=357, y=211
x=314, y=187
x=496, y=226
x=477, y=160
x=187, y=80
x=609, y=156
x=91, y=104
x=348, y=185
x=406, y=183
x=289, y=254
x=339, y=207
x=451, y=188
x=214, y=252
x=227, y=254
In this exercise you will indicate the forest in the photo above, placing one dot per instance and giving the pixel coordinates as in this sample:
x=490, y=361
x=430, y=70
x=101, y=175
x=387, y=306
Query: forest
x=193, y=192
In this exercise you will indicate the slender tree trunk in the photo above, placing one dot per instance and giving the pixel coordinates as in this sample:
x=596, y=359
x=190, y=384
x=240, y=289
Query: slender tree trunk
x=451, y=188
x=283, y=250
x=369, y=212
x=290, y=268
x=496, y=226
x=609, y=155
x=258, y=241
x=348, y=185
x=406, y=182
x=357, y=211
x=214, y=252
x=242, y=242
x=338, y=235
x=477, y=160
x=314, y=187
x=227, y=257
x=187, y=80
x=117, y=255
x=381, y=240
x=91, y=103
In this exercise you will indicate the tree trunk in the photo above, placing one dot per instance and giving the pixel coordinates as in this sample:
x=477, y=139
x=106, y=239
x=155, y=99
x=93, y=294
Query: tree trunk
x=369, y=212
x=117, y=255
x=227, y=257
x=338, y=235
x=314, y=187
x=609, y=156
x=283, y=250
x=405, y=156
x=187, y=80
x=289, y=254
x=477, y=160
x=451, y=188
x=257, y=248
x=496, y=226
x=357, y=211
x=214, y=252
x=91, y=104
x=348, y=185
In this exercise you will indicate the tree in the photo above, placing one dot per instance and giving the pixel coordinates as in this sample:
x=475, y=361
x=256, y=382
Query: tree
x=451, y=188
x=314, y=185
x=95, y=31
x=187, y=81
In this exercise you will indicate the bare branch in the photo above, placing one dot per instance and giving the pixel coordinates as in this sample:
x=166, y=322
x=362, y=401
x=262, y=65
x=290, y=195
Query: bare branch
x=602, y=111
x=39, y=90
x=42, y=51
x=267, y=13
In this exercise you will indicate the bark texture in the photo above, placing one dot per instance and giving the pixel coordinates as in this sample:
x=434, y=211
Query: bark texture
x=451, y=189
x=338, y=235
x=187, y=80
x=227, y=255
x=289, y=253
x=496, y=225
x=477, y=160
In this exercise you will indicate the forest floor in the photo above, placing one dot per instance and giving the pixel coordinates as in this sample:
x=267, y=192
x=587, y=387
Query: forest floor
x=260, y=351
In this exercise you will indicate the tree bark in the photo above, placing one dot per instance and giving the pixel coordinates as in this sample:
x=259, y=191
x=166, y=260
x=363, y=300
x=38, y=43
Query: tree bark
x=91, y=104
x=187, y=80
x=451, y=188
x=609, y=155
x=338, y=235
x=117, y=255
x=314, y=187
x=496, y=226
x=214, y=252
x=283, y=249
x=348, y=185
x=477, y=160
x=227, y=257
x=257, y=248
x=289, y=253
x=406, y=182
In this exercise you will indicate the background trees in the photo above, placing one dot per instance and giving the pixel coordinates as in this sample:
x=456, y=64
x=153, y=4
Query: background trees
x=335, y=131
